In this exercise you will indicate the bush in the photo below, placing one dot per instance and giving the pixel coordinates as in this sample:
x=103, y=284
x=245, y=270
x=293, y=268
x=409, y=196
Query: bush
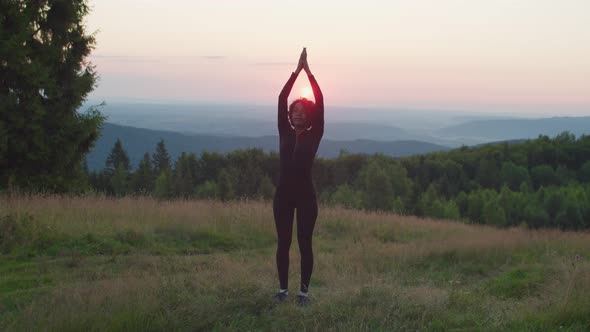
x=347, y=197
x=22, y=231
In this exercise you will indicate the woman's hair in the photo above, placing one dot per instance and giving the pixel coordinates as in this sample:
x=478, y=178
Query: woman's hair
x=308, y=108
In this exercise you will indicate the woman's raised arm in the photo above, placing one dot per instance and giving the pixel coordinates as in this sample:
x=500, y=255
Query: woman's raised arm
x=282, y=117
x=318, y=118
x=283, y=122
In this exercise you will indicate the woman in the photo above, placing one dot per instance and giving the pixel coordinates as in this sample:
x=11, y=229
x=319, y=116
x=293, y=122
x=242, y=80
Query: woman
x=295, y=190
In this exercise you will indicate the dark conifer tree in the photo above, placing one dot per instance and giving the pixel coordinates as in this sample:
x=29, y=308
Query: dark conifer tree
x=161, y=158
x=184, y=178
x=143, y=178
x=118, y=157
x=44, y=79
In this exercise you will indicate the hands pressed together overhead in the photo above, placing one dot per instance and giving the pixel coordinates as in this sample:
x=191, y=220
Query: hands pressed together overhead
x=303, y=63
x=318, y=109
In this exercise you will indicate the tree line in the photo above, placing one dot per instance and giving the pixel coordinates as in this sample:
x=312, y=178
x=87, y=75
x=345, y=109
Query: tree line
x=543, y=182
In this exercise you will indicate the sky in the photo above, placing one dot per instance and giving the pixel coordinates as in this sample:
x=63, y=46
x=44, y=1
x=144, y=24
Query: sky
x=525, y=56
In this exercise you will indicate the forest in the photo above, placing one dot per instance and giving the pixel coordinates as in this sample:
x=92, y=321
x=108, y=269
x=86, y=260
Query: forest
x=543, y=182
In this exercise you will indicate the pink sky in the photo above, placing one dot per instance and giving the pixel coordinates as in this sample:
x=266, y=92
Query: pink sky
x=527, y=56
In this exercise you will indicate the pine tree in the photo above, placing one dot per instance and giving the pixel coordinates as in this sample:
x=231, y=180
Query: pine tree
x=185, y=170
x=118, y=157
x=45, y=78
x=143, y=178
x=161, y=158
x=163, y=187
x=120, y=181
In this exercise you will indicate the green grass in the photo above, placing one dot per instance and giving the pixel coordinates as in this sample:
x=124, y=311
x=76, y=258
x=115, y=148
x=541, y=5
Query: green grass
x=516, y=283
x=71, y=264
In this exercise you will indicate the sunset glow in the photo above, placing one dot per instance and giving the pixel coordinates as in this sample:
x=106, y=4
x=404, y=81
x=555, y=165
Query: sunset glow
x=306, y=92
x=505, y=55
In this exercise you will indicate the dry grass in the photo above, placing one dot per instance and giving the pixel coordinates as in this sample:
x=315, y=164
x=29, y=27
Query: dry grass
x=372, y=271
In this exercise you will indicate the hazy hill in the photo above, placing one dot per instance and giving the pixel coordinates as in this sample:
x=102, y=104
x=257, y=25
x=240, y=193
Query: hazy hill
x=137, y=141
x=448, y=128
x=248, y=120
x=505, y=129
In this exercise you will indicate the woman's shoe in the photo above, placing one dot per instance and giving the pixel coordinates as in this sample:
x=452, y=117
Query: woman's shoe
x=303, y=301
x=280, y=297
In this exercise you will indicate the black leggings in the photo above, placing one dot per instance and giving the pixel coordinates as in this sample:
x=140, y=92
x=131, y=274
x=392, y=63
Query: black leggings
x=307, y=212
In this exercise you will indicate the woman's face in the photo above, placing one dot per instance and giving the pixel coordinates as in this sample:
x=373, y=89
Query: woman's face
x=298, y=116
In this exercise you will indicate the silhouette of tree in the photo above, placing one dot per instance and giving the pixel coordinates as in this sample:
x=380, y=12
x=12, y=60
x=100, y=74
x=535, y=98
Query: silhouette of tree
x=117, y=157
x=45, y=78
x=161, y=158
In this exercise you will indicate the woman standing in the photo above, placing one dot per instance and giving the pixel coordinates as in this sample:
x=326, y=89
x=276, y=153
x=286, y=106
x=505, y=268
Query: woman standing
x=298, y=146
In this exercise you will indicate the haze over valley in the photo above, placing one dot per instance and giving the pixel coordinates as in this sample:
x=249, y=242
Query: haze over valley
x=224, y=127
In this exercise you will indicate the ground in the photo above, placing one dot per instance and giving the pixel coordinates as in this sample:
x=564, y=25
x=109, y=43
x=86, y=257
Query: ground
x=95, y=263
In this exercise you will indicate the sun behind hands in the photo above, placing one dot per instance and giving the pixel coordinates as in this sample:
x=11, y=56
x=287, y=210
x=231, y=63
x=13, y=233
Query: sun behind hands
x=306, y=92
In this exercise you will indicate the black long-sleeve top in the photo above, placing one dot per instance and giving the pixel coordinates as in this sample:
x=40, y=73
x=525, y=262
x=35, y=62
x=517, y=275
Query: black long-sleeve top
x=297, y=152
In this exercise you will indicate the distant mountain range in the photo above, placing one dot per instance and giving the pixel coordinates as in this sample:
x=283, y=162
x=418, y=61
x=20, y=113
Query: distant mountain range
x=230, y=132
x=137, y=141
x=508, y=129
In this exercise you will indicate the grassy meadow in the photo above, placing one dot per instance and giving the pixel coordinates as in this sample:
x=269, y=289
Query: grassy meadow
x=138, y=264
